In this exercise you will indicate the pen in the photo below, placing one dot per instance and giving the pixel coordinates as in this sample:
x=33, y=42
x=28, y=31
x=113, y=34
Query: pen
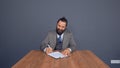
x=48, y=45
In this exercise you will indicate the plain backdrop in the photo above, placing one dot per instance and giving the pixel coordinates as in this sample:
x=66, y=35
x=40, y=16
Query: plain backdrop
x=95, y=25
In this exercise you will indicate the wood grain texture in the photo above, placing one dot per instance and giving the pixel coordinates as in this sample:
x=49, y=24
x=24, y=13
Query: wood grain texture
x=78, y=59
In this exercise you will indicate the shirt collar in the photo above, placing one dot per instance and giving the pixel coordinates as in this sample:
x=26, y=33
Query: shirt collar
x=59, y=35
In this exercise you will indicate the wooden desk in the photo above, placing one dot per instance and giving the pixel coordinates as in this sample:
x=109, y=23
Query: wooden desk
x=78, y=59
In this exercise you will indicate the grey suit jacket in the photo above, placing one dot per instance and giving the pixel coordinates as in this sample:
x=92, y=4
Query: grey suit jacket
x=68, y=40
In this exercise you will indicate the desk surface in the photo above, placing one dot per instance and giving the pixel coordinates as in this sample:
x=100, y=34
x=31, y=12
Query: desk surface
x=78, y=59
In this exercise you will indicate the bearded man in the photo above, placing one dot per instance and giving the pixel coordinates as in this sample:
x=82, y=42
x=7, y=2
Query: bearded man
x=60, y=39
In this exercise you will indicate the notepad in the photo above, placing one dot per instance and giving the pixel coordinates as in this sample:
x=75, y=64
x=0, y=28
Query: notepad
x=57, y=55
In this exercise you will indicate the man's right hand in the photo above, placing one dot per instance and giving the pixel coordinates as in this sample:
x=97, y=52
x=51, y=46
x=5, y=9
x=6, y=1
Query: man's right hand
x=48, y=50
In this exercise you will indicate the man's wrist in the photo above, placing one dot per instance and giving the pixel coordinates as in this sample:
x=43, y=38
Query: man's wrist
x=70, y=49
x=45, y=49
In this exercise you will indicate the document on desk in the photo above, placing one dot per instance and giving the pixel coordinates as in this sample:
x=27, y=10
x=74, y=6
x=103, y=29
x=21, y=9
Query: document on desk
x=57, y=55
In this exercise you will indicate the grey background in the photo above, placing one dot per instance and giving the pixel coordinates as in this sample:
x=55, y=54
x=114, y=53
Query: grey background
x=24, y=24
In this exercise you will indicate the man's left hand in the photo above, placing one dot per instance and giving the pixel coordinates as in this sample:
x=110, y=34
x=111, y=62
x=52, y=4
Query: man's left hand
x=66, y=52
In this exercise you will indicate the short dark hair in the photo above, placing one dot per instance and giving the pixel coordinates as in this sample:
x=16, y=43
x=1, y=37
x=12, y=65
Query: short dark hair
x=63, y=19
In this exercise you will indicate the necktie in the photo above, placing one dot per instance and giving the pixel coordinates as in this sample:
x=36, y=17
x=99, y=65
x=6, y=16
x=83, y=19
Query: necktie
x=59, y=43
x=59, y=39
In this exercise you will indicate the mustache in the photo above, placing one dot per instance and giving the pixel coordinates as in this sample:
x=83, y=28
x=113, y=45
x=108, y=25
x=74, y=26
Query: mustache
x=59, y=31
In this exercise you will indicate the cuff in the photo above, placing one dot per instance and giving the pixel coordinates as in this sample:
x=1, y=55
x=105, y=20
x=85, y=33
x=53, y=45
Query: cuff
x=45, y=50
x=70, y=49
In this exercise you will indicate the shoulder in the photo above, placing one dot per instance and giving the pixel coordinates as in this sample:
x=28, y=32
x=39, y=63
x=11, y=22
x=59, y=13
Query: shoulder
x=52, y=32
x=68, y=31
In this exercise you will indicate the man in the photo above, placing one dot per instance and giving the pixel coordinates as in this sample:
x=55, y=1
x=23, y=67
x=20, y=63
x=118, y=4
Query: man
x=60, y=39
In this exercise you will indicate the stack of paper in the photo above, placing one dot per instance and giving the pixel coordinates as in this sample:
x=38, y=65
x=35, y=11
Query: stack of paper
x=57, y=55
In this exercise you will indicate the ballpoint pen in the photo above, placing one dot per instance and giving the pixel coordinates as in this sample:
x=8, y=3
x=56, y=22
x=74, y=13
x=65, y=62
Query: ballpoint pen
x=48, y=45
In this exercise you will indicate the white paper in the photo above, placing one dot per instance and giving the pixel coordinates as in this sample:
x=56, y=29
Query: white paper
x=57, y=55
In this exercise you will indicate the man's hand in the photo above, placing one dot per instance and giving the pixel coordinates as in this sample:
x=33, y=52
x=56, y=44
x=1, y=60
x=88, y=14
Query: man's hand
x=66, y=52
x=48, y=50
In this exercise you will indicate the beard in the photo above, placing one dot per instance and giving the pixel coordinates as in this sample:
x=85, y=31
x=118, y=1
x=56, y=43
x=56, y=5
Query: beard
x=59, y=32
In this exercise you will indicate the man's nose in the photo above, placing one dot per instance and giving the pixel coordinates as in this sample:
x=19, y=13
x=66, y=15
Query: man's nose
x=60, y=28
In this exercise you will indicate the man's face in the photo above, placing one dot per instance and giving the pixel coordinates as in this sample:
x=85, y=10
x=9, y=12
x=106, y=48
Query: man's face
x=61, y=26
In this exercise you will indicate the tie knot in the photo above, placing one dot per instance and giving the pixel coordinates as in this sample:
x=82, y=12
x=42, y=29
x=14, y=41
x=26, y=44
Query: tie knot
x=59, y=39
x=59, y=36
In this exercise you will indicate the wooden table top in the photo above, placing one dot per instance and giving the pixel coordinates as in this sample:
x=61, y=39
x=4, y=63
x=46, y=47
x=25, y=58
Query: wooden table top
x=78, y=59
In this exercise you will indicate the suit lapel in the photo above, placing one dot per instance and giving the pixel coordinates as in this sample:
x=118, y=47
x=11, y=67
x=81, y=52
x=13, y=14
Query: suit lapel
x=54, y=39
x=64, y=40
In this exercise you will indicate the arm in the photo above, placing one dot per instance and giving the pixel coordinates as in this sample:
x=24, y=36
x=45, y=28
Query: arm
x=72, y=44
x=71, y=47
x=44, y=43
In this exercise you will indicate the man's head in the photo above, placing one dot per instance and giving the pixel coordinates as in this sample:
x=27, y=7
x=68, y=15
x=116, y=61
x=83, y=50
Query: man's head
x=61, y=25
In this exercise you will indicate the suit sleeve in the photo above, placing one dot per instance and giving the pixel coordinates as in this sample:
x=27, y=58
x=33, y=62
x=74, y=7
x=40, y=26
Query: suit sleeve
x=44, y=43
x=72, y=43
